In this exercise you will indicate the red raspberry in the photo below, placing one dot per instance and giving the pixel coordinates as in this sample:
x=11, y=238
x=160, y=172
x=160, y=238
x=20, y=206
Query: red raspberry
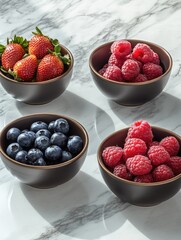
x=141, y=129
x=158, y=155
x=121, y=48
x=147, y=178
x=102, y=70
x=140, y=78
x=113, y=73
x=175, y=164
x=171, y=144
x=154, y=143
x=113, y=60
x=152, y=70
x=112, y=155
x=139, y=63
x=130, y=69
x=139, y=165
x=143, y=53
x=134, y=146
x=162, y=172
x=156, y=59
x=122, y=172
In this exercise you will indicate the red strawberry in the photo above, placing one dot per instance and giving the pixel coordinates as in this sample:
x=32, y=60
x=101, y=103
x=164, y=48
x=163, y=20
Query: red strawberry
x=40, y=45
x=25, y=69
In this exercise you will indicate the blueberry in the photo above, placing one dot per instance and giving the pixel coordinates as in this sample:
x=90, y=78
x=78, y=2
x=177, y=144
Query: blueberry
x=66, y=156
x=34, y=154
x=43, y=132
x=38, y=126
x=24, y=130
x=74, y=144
x=51, y=126
x=61, y=125
x=13, y=134
x=40, y=162
x=25, y=140
x=32, y=135
x=13, y=149
x=59, y=139
x=21, y=156
x=53, y=153
x=42, y=142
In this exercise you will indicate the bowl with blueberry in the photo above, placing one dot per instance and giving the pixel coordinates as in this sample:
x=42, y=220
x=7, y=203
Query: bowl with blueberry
x=44, y=150
x=129, y=71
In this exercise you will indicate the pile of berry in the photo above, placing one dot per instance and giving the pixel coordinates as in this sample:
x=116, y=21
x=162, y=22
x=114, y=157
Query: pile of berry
x=125, y=64
x=143, y=159
x=43, y=144
x=39, y=59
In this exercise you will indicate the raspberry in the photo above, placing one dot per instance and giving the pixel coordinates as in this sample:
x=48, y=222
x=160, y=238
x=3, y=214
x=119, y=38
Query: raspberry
x=162, y=172
x=171, y=144
x=156, y=59
x=121, y=48
x=112, y=155
x=139, y=165
x=102, y=70
x=175, y=164
x=152, y=70
x=113, y=60
x=140, y=78
x=154, y=143
x=130, y=69
x=113, y=73
x=139, y=63
x=140, y=129
x=143, y=53
x=122, y=172
x=134, y=146
x=158, y=155
x=147, y=178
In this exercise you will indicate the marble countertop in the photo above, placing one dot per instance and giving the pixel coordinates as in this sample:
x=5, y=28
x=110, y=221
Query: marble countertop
x=84, y=208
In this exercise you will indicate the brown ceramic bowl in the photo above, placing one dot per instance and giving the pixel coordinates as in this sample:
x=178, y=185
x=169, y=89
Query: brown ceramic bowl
x=141, y=194
x=50, y=175
x=129, y=93
x=39, y=92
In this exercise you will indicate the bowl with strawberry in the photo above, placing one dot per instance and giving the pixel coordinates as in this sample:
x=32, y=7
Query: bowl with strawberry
x=129, y=71
x=141, y=164
x=35, y=71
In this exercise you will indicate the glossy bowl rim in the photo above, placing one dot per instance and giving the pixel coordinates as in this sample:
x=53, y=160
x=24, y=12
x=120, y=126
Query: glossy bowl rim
x=130, y=83
x=47, y=81
x=103, y=167
x=5, y=128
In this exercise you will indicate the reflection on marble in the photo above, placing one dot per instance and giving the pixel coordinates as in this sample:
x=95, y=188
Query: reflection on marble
x=84, y=208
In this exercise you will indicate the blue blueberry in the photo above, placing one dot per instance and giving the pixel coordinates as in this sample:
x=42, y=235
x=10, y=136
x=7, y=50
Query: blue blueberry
x=42, y=142
x=61, y=125
x=32, y=135
x=12, y=134
x=43, y=132
x=74, y=144
x=40, y=162
x=66, y=156
x=13, y=149
x=53, y=153
x=34, y=154
x=21, y=156
x=25, y=140
x=36, y=126
x=59, y=139
x=51, y=126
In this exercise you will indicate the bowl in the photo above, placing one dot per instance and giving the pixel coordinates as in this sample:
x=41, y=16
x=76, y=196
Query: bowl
x=49, y=175
x=140, y=194
x=126, y=93
x=39, y=92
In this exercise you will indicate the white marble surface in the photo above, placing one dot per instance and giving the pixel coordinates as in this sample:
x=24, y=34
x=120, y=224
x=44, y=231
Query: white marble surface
x=84, y=208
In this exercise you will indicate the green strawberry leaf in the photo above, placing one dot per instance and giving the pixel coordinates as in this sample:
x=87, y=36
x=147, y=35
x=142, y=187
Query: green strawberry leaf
x=54, y=42
x=38, y=32
x=2, y=48
x=65, y=59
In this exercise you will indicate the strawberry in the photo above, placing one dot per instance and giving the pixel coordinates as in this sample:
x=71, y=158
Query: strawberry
x=40, y=45
x=13, y=52
x=52, y=65
x=25, y=69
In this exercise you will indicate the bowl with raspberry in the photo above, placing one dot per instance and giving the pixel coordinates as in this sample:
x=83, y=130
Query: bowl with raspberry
x=35, y=71
x=130, y=72
x=44, y=150
x=141, y=164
